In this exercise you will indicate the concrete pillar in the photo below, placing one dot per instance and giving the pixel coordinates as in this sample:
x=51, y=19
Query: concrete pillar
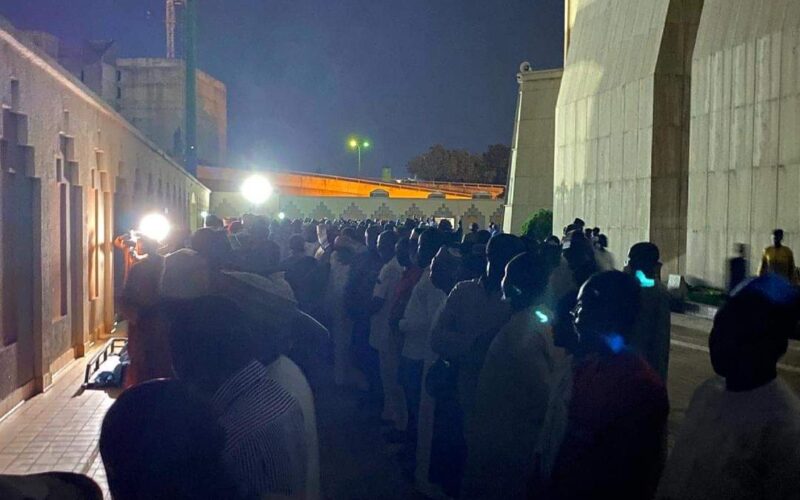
x=570, y=10
x=622, y=119
x=530, y=178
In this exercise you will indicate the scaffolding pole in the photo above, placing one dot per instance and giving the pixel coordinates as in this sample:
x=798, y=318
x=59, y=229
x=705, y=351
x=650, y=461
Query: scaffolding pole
x=191, y=85
x=171, y=23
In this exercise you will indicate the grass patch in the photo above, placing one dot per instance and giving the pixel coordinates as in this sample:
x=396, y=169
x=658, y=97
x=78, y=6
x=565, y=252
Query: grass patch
x=708, y=296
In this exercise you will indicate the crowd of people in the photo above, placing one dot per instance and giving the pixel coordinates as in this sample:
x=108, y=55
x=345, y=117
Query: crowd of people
x=499, y=366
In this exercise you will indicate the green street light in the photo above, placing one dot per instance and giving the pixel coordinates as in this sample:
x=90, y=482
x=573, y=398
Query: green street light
x=357, y=144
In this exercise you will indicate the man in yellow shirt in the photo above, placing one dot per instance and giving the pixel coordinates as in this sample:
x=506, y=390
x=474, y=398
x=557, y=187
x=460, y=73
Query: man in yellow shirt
x=778, y=259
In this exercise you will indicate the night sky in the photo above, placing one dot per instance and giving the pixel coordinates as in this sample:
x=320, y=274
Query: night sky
x=302, y=75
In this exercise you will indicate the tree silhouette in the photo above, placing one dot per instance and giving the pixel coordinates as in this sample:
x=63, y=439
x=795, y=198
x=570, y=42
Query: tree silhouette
x=459, y=165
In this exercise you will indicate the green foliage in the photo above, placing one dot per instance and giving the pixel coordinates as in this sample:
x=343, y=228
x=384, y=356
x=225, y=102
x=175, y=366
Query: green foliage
x=459, y=165
x=539, y=226
x=708, y=296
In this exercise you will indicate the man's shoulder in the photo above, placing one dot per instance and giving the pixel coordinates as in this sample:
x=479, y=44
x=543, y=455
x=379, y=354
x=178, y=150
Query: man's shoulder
x=658, y=293
x=423, y=284
x=288, y=261
x=629, y=368
x=523, y=332
x=392, y=268
x=253, y=394
x=712, y=388
x=467, y=286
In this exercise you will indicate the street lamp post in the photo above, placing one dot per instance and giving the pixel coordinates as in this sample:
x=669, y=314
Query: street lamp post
x=357, y=144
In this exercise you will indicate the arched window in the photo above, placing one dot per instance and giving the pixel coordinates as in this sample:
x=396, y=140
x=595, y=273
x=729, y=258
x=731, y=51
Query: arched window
x=379, y=193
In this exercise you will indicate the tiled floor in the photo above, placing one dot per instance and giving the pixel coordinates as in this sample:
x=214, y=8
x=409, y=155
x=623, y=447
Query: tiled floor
x=57, y=430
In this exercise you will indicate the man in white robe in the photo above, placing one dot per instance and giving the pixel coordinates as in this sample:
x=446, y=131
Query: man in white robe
x=741, y=436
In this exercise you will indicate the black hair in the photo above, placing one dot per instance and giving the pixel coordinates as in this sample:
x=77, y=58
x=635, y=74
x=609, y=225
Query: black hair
x=525, y=280
x=210, y=339
x=643, y=256
x=371, y=235
x=482, y=237
x=401, y=249
x=609, y=304
x=499, y=251
x=160, y=440
x=213, y=245
x=430, y=240
x=297, y=243
x=350, y=233
x=751, y=331
x=580, y=257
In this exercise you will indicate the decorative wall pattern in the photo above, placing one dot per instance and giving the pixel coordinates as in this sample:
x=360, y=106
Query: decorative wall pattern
x=473, y=215
x=443, y=211
x=321, y=212
x=231, y=204
x=384, y=213
x=289, y=209
x=414, y=212
x=353, y=212
x=498, y=215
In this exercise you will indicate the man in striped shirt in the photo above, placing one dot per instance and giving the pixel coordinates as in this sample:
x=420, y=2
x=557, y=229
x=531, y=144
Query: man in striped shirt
x=265, y=450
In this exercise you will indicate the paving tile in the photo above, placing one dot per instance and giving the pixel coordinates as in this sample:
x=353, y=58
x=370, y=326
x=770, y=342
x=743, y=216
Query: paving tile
x=17, y=469
x=57, y=430
x=50, y=460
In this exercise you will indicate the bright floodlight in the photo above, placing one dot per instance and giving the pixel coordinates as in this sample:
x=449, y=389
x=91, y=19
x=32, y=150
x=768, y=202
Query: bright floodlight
x=154, y=226
x=281, y=216
x=366, y=144
x=203, y=214
x=256, y=189
x=353, y=143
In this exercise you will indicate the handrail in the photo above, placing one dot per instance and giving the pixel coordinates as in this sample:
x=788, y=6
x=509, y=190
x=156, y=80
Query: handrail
x=357, y=180
x=98, y=359
x=453, y=183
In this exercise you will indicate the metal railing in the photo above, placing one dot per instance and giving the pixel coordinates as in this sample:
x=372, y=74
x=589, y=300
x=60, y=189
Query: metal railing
x=113, y=347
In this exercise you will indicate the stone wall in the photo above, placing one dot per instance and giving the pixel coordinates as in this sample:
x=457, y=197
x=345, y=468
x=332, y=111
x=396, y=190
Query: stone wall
x=483, y=212
x=212, y=120
x=621, y=143
x=73, y=174
x=153, y=99
x=744, y=169
x=530, y=182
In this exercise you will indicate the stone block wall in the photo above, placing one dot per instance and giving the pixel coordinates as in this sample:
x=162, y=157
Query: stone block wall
x=621, y=119
x=531, y=175
x=744, y=168
x=73, y=174
x=212, y=120
x=153, y=99
x=669, y=171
